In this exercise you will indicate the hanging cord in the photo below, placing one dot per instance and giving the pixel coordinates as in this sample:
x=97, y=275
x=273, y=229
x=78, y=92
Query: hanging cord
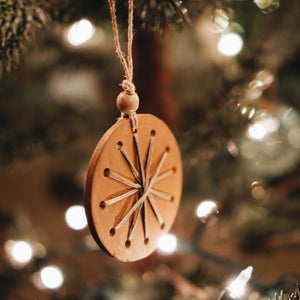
x=127, y=101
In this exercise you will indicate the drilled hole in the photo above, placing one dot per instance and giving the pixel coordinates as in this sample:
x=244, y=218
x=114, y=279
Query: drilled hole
x=127, y=244
x=112, y=231
x=146, y=241
x=174, y=169
x=152, y=133
x=172, y=198
x=106, y=172
x=102, y=204
x=119, y=145
x=162, y=226
x=167, y=149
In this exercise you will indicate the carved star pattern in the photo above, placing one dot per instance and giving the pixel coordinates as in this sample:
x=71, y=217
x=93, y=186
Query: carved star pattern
x=142, y=186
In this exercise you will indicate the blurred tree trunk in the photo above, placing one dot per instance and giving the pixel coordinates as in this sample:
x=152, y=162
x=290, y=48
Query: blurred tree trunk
x=152, y=77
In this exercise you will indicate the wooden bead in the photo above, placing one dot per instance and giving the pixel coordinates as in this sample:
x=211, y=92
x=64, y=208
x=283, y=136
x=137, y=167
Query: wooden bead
x=127, y=103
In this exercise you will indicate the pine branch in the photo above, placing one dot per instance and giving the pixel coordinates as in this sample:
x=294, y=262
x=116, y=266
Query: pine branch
x=19, y=21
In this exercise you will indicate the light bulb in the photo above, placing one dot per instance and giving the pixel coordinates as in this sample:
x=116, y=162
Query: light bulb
x=75, y=217
x=262, y=127
x=230, y=44
x=205, y=208
x=167, y=244
x=52, y=277
x=80, y=32
x=257, y=131
x=20, y=252
x=237, y=287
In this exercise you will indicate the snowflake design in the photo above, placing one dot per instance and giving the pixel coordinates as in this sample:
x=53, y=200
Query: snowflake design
x=142, y=185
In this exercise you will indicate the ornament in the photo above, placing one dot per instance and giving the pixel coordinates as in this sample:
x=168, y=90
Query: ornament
x=133, y=187
x=134, y=178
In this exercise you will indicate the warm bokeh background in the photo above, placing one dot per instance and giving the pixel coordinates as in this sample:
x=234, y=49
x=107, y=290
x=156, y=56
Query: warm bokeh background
x=224, y=75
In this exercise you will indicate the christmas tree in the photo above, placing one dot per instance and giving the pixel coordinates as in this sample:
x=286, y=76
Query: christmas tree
x=223, y=75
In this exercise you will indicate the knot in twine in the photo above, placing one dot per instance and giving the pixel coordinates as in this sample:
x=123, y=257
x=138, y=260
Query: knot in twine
x=128, y=86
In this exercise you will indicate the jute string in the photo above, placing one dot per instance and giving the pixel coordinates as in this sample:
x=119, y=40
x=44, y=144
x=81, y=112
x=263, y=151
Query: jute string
x=126, y=61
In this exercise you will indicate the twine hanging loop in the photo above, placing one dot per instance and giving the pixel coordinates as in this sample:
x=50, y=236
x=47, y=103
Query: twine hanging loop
x=128, y=100
x=128, y=86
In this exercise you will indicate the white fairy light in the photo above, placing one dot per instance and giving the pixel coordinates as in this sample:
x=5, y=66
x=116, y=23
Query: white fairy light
x=51, y=277
x=262, y=127
x=75, y=217
x=80, y=32
x=230, y=44
x=220, y=22
x=237, y=287
x=20, y=252
x=167, y=243
x=205, y=208
x=257, y=131
x=255, y=89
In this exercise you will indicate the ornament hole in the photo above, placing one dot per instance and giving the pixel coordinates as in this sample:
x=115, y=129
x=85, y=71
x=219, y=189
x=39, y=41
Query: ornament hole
x=102, y=204
x=127, y=244
x=174, y=169
x=119, y=145
x=112, y=231
x=162, y=226
x=146, y=241
x=168, y=149
x=106, y=172
x=172, y=198
x=152, y=133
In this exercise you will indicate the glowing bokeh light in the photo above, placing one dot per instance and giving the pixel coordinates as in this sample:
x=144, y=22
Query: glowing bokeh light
x=255, y=89
x=52, y=277
x=167, y=243
x=75, y=217
x=257, y=131
x=80, y=32
x=21, y=252
x=205, y=208
x=232, y=148
x=262, y=127
x=220, y=21
x=230, y=44
x=237, y=287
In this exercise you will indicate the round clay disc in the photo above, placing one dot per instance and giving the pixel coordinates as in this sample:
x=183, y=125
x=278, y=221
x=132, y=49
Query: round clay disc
x=133, y=187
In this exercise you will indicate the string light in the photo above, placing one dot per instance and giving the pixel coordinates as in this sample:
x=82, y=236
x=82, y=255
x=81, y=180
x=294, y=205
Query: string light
x=205, y=208
x=230, y=44
x=20, y=252
x=75, y=217
x=220, y=21
x=167, y=243
x=80, y=32
x=262, y=127
x=51, y=277
x=257, y=131
x=232, y=148
x=237, y=287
